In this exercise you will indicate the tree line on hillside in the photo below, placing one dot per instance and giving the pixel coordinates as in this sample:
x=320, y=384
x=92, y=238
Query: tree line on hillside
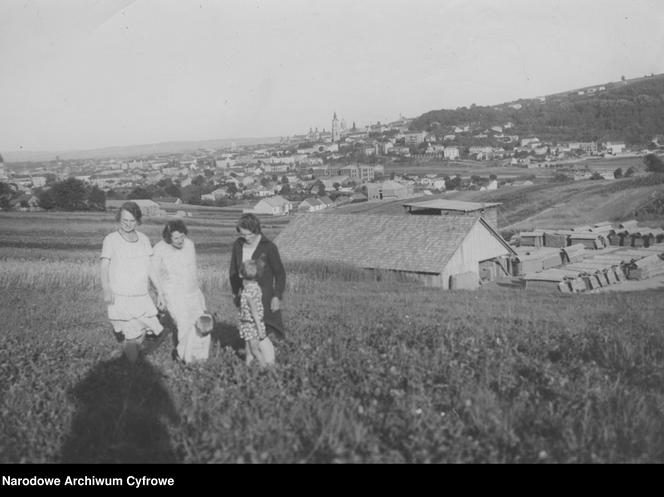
x=633, y=113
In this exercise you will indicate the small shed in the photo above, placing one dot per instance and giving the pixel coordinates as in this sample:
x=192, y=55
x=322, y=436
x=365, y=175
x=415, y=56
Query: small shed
x=444, y=207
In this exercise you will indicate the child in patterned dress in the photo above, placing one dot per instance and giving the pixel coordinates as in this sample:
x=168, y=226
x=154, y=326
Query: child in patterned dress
x=252, y=327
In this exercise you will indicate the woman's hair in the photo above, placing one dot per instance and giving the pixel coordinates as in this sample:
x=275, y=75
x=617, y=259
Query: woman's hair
x=132, y=208
x=172, y=226
x=249, y=270
x=248, y=222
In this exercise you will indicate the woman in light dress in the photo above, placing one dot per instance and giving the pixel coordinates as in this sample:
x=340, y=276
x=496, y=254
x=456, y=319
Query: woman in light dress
x=175, y=267
x=125, y=271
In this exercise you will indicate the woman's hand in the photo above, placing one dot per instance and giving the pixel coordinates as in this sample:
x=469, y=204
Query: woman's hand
x=275, y=304
x=161, y=302
x=108, y=297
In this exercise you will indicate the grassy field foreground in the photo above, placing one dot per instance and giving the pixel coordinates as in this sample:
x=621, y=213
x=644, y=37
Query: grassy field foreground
x=371, y=371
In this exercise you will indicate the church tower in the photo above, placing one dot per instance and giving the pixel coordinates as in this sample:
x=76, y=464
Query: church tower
x=335, y=128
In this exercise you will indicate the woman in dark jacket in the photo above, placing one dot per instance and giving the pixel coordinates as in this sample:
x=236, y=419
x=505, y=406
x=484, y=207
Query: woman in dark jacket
x=252, y=244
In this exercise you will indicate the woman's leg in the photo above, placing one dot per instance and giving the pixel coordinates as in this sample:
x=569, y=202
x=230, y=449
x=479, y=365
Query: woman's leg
x=256, y=352
x=132, y=348
x=249, y=357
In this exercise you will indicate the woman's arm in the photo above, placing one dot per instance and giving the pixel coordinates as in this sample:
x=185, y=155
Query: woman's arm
x=105, y=280
x=234, y=273
x=278, y=270
x=154, y=272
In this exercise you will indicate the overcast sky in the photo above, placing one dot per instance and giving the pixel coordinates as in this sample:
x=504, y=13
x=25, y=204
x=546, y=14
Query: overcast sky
x=77, y=74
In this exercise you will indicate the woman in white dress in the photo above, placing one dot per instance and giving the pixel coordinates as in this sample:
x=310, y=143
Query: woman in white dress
x=125, y=270
x=175, y=266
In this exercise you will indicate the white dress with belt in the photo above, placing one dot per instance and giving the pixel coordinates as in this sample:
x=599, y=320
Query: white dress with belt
x=185, y=302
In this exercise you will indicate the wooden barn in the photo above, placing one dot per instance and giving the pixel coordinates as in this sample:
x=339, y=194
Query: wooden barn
x=440, y=251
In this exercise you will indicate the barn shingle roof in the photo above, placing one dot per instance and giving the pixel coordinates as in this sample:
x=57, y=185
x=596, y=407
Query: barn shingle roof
x=403, y=243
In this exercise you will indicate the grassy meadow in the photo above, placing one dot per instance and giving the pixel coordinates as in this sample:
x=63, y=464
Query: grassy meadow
x=375, y=368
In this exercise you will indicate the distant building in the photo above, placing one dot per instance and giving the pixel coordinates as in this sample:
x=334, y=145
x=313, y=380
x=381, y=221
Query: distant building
x=389, y=190
x=532, y=141
x=456, y=208
x=149, y=208
x=615, y=147
x=415, y=138
x=311, y=204
x=451, y=153
x=335, y=128
x=358, y=172
x=275, y=206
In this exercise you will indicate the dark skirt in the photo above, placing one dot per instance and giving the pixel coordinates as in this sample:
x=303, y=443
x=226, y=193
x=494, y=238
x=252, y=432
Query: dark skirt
x=273, y=320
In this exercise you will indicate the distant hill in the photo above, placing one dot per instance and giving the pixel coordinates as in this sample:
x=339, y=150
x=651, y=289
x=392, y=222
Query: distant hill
x=135, y=150
x=630, y=110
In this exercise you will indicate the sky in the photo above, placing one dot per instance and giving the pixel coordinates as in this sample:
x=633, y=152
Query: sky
x=83, y=74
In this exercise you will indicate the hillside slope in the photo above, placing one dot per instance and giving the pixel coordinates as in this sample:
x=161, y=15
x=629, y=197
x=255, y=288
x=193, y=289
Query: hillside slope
x=554, y=205
x=631, y=110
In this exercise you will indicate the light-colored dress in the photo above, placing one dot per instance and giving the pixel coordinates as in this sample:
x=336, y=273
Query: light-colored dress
x=178, y=273
x=132, y=311
x=249, y=329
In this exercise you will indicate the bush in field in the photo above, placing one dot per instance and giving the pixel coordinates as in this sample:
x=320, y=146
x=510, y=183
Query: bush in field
x=72, y=195
x=653, y=163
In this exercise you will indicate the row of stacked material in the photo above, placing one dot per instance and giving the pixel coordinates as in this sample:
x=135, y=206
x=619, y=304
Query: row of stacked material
x=534, y=260
x=597, y=236
x=608, y=267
